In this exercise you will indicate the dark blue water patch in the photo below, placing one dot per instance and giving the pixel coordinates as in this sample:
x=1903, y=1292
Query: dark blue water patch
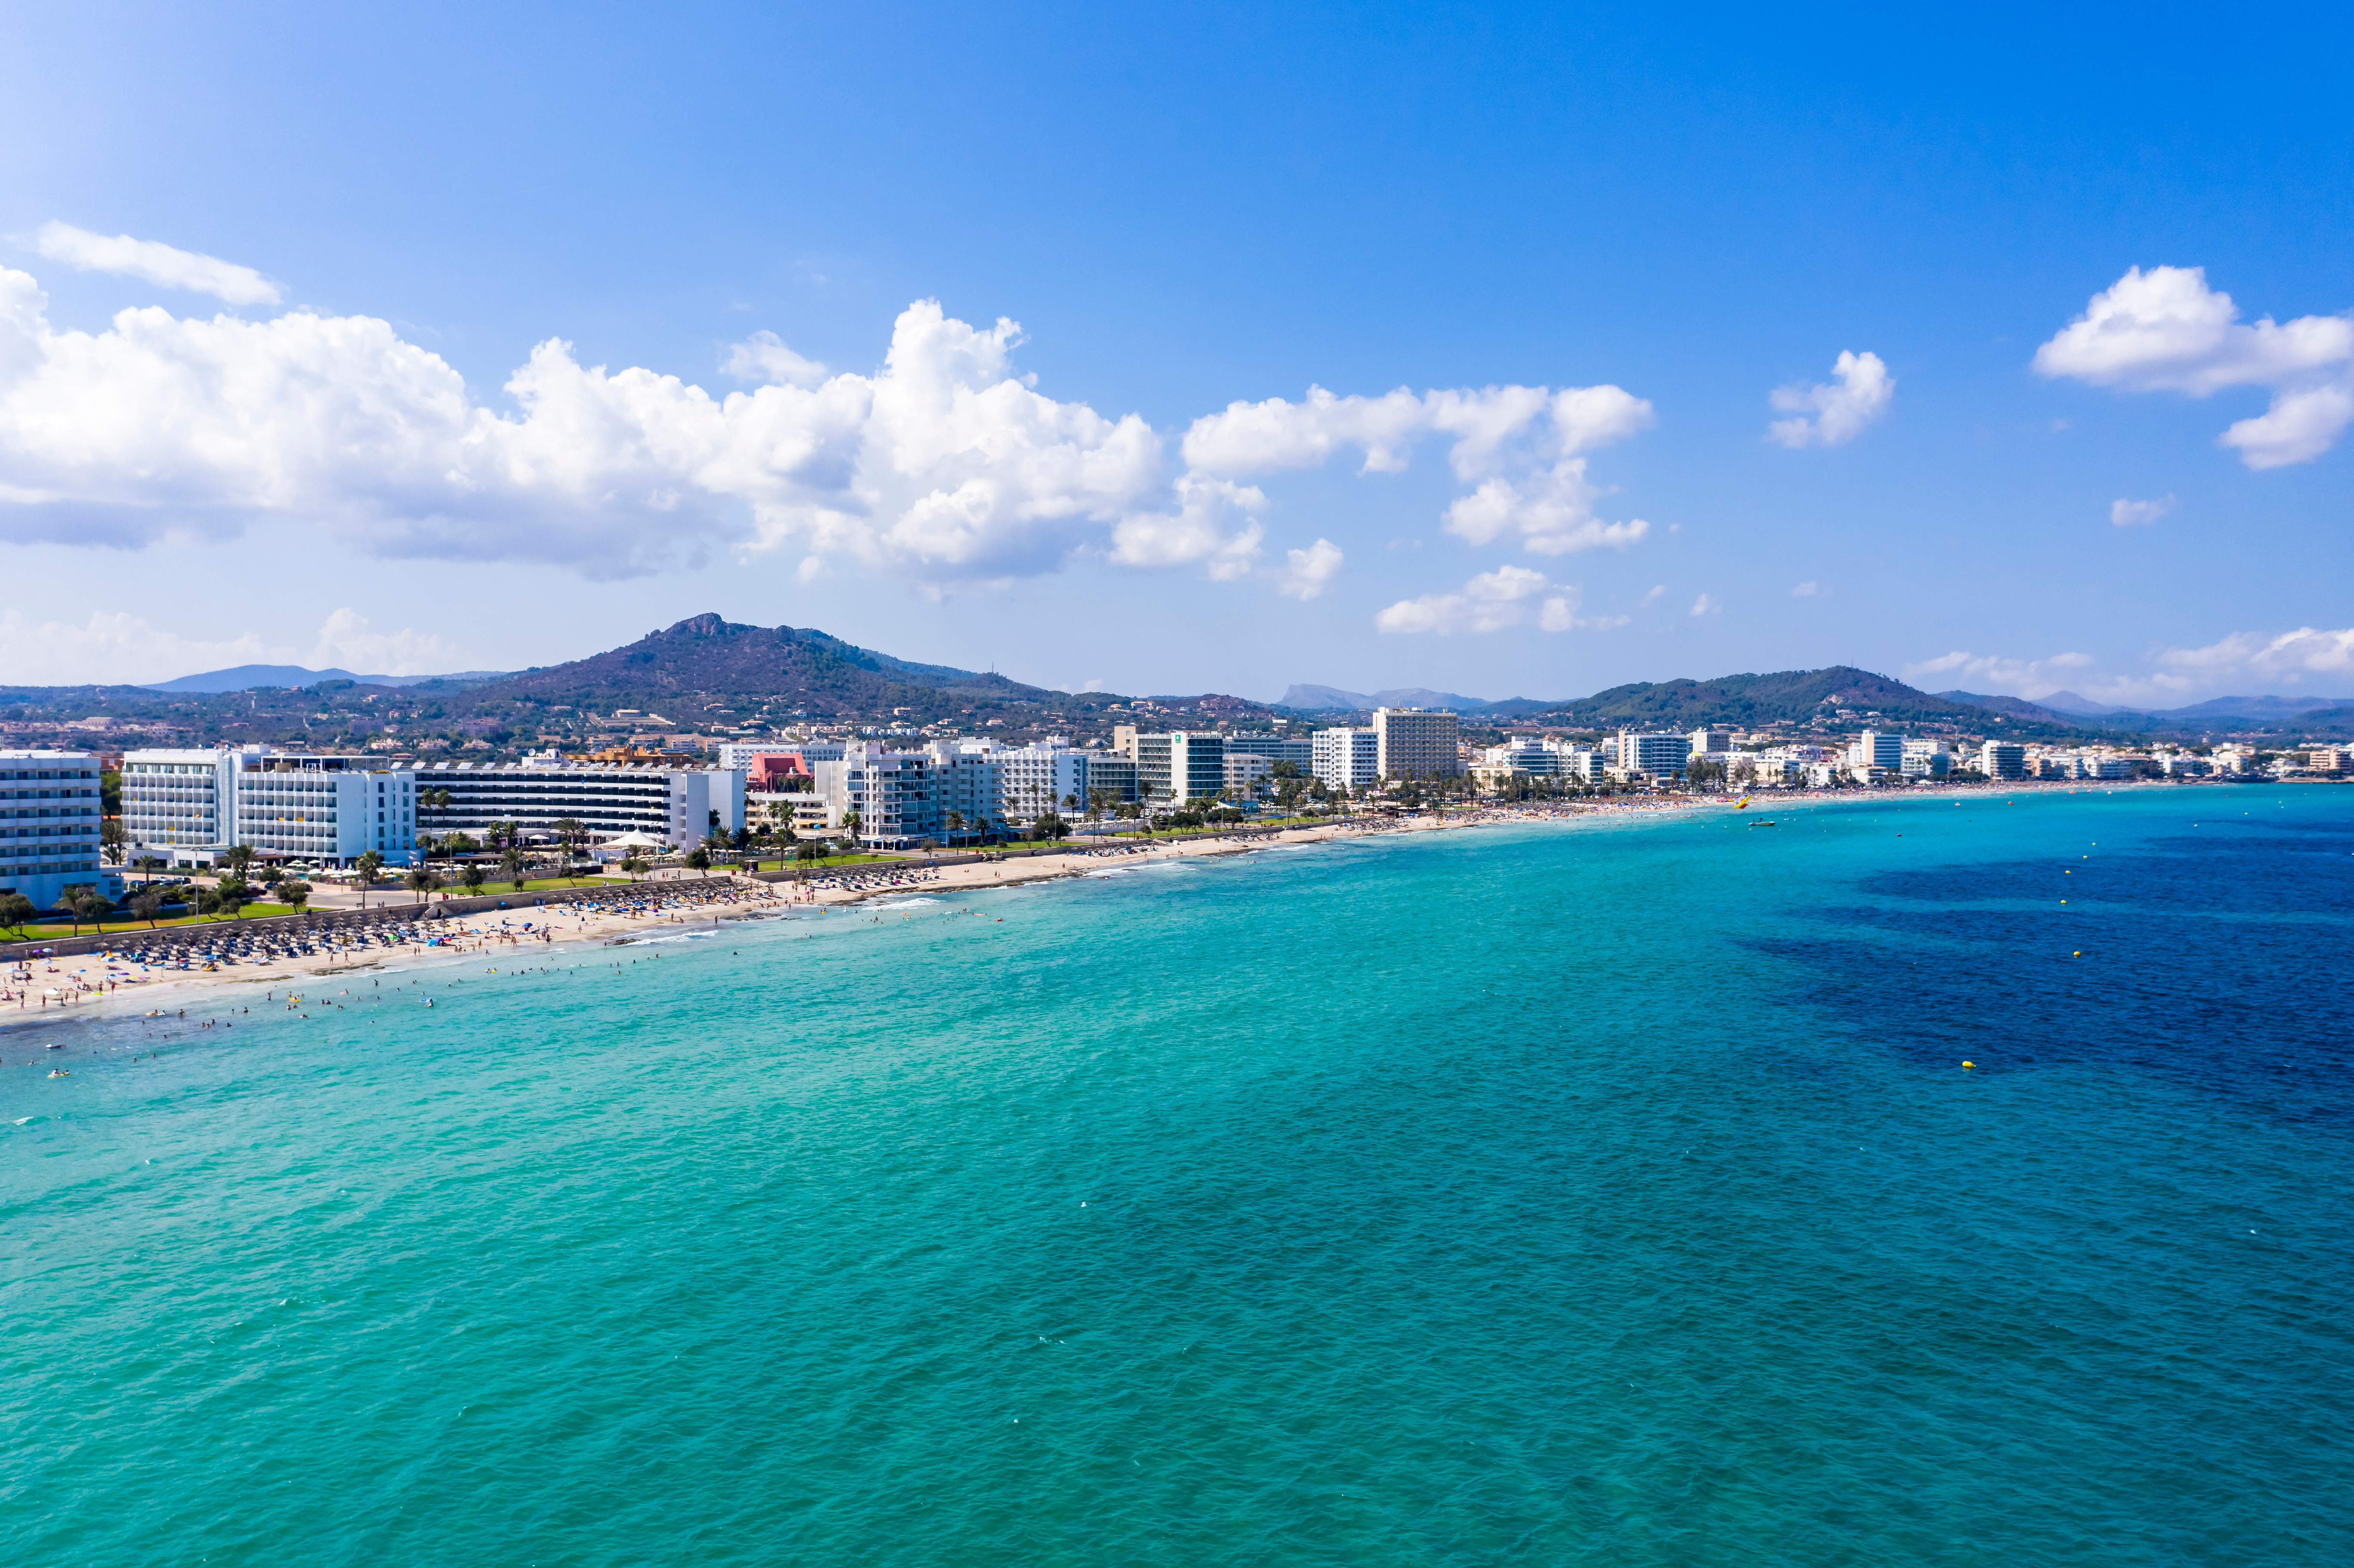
x=2217, y=959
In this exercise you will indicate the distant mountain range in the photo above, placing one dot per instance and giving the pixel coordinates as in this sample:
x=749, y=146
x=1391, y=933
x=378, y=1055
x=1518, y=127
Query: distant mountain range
x=248, y=677
x=2063, y=707
x=1326, y=699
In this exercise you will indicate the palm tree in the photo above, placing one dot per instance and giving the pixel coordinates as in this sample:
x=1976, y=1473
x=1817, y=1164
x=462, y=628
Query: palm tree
x=515, y=863
x=86, y=905
x=114, y=839
x=240, y=856
x=150, y=863
x=956, y=825
x=570, y=833
x=370, y=871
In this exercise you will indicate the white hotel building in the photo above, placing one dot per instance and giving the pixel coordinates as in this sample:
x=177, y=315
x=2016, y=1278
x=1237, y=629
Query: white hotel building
x=49, y=825
x=672, y=805
x=188, y=807
x=185, y=807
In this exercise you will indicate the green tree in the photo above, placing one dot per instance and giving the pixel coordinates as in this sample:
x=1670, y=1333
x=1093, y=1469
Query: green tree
x=146, y=907
x=295, y=895
x=698, y=859
x=369, y=869
x=232, y=894
x=956, y=825
x=512, y=862
x=422, y=882
x=85, y=905
x=16, y=909
x=473, y=875
x=237, y=858
x=150, y=863
x=632, y=865
x=114, y=839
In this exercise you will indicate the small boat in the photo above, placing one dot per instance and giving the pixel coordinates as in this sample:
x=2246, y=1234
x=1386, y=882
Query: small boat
x=1762, y=822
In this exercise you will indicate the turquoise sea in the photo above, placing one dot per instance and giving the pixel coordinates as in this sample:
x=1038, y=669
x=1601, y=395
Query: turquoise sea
x=1611, y=1193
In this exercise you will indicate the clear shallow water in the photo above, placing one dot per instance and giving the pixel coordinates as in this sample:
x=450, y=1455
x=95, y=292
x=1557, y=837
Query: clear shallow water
x=1611, y=1194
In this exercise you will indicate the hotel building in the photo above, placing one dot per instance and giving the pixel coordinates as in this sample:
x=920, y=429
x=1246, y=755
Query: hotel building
x=49, y=825
x=675, y=805
x=1416, y=743
x=1346, y=759
x=188, y=807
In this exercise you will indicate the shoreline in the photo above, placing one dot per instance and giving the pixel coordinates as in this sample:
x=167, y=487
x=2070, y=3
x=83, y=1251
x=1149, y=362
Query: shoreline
x=98, y=987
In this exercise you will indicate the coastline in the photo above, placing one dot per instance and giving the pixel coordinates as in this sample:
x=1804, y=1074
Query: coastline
x=96, y=986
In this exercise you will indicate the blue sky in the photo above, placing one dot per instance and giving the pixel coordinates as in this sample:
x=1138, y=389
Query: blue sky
x=1583, y=249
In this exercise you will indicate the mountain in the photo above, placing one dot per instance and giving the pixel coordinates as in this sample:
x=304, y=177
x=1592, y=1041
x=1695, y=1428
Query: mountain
x=1781, y=697
x=2069, y=702
x=247, y=677
x=704, y=656
x=1323, y=699
x=2016, y=707
x=2275, y=708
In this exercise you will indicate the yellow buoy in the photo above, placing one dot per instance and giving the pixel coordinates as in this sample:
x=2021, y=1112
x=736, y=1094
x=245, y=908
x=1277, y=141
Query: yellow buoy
x=2080, y=953
x=1969, y=1064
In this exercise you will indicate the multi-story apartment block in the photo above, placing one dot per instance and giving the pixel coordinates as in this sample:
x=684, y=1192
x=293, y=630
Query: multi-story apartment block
x=49, y=825
x=1248, y=775
x=181, y=805
x=1115, y=775
x=894, y=794
x=1299, y=750
x=1416, y=743
x=329, y=810
x=670, y=805
x=1927, y=759
x=1704, y=741
x=2002, y=760
x=965, y=780
x=188, y=807
x=1653, y=754
x=1032, y=780
x=1180, y=766
x=743, y=753
x=1876, y=749
x=1345, y=759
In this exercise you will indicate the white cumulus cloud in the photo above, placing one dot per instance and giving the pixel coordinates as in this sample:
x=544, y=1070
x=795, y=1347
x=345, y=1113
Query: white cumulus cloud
x=944, y=467
x=1810, y=590
x=116, y=648
x=1201, y=529
x=2018, y=677
x=1707, y=604
x=1307, y=573
x=1835, y=412
x=1519, y=446
x=2164, y=330
x=1489, y=602
x=2289, y=657
x=154, y=262
x=2128, y=514
x=763, y=356
x=1560, y=613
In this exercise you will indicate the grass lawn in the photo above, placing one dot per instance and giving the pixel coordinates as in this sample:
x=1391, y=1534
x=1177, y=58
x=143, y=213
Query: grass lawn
x=50, y=930
x=390, y=896
x=824, y=862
